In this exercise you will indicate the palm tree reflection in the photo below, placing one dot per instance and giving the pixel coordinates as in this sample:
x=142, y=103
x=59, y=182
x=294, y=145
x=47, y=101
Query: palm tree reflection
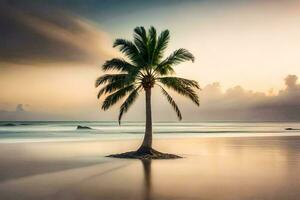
x=147, y=179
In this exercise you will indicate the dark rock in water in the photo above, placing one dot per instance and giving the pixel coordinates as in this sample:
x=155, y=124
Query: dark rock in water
x=9, y=124
x=83, y=127
x=292, y=129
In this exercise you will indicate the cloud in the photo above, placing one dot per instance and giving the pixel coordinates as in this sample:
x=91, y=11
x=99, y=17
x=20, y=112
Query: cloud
x=20, y=108
x=20, y=114
x=16, y=114
x=291, y=82
x=239, y=104
x=41, y=35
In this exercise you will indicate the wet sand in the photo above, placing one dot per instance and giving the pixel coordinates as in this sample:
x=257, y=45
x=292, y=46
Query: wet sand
x=235, y=168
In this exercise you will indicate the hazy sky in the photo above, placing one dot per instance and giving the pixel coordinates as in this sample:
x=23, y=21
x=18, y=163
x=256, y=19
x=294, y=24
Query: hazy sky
x=51, y=52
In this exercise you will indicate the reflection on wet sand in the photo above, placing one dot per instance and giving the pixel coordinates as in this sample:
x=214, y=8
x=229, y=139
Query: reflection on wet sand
x=213, y=168
x=147, y=178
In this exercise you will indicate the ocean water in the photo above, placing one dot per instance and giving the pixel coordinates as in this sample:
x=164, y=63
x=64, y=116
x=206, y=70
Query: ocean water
x=33, y=131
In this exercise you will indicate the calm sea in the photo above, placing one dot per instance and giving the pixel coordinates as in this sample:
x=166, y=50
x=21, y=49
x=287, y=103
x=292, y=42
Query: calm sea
x=28, y=131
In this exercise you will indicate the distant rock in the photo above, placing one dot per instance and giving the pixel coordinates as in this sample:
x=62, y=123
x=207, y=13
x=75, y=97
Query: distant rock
x=83, y=127
x=292, y=129
x=25, y=124
x=9, y=124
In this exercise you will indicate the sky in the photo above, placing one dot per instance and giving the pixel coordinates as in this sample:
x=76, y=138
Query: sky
x=247, y=57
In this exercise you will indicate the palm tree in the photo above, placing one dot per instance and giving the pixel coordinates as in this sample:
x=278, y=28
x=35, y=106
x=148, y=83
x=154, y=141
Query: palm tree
x=144, y=69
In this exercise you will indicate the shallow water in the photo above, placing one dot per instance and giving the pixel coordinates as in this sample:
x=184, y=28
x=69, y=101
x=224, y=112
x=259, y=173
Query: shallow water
x=230, y=168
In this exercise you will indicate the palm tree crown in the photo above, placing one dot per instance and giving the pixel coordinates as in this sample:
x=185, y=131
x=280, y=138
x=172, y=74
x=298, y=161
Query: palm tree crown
x=144, y=69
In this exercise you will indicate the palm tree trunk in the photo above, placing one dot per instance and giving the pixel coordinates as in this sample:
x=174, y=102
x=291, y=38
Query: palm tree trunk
x=147, y=143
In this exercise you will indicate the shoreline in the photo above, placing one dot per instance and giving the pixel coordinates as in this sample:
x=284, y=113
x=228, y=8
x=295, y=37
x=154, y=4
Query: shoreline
x=160, y=137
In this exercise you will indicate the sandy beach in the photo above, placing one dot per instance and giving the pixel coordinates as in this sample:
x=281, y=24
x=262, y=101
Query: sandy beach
x=231, y=168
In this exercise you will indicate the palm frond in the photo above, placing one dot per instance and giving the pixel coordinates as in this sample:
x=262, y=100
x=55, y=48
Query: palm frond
x=128, y=102
x=109, y=78
x=175, y=58
x=129, y=49
x=166, y=70
x=152, y=44
x=140, y=39
x=183, y=88
x=172, y=102
x=179, y=56
x=114, y=86
x=141, y=33
x=183, y=81
x=116, y=96
x=161, y=45
x=118, y=64
x=101, y=92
